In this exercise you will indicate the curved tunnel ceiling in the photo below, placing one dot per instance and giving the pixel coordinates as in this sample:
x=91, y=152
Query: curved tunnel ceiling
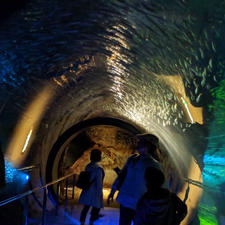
x=156, y=65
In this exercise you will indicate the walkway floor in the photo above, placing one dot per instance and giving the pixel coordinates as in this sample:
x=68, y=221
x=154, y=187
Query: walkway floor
x=71, y=217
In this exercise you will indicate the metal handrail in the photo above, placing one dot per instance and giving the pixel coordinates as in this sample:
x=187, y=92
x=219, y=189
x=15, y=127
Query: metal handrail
x=201, y=185
x=30, y=167
x=20, y=196
x=44, y=188
x=57, y=181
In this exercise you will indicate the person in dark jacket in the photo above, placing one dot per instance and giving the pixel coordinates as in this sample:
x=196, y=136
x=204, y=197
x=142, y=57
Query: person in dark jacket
x=132, y=185
x=158, y=206
x=93, y=196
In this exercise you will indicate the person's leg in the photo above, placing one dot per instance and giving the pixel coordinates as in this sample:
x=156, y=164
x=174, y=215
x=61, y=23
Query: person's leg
x=83, y=214
x=126, y=215
x=94, y=214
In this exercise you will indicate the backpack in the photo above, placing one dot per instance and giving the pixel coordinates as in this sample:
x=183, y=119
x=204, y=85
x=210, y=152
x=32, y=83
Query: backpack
x=177, y=210
x=163, y=211
x=84, y=180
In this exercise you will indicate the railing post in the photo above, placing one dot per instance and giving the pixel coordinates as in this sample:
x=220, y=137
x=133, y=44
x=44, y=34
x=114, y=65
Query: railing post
x=44, y=206
x=57, y=199
x=74, y=178
x=66, y=197
x=26, y=211
x=24, y=197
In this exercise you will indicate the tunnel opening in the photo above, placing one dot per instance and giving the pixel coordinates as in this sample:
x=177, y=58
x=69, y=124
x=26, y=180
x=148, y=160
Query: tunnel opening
x=115, y=138
x=70, y=153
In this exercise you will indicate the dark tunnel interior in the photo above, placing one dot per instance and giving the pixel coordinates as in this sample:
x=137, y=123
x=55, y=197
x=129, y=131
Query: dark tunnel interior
x=79, y=75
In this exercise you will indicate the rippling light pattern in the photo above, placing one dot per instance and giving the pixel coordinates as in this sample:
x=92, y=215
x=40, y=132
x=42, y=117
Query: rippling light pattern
x=211, y=209
x=10, y=172
x=188, y=111
x=207, y=215
x=13, y=175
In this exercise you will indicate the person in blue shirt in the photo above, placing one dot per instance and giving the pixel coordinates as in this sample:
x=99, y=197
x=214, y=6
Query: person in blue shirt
x=130, y=181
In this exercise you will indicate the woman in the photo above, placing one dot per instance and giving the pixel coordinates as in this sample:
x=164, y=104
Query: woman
x=93, y=196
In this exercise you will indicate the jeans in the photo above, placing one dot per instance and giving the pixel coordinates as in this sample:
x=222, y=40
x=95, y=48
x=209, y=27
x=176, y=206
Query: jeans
x=126, y=215
x=94, y=213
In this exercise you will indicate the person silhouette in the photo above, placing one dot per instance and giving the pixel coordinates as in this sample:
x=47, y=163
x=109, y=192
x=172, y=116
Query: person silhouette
x=130, y=181
x=158, y=206
x=93, y=196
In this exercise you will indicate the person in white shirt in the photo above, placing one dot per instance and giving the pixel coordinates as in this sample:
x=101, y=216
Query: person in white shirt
x=93, y=196
x=130, y=181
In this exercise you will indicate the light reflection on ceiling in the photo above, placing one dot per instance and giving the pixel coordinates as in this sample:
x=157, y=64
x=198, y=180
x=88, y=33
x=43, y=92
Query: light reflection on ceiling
x=157, y=66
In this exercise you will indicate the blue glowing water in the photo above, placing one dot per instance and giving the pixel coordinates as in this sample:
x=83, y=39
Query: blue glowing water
x=14, y=175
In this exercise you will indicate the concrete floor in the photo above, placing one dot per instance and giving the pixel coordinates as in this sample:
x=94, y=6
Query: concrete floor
x=111, y=216
x=71, y=217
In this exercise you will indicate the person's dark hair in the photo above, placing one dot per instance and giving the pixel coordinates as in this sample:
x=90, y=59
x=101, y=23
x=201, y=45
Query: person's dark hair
x=154, y=177
x=96, y=155
x=149, y=140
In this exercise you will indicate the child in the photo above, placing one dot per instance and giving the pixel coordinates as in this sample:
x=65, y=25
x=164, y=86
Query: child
x=158, y=206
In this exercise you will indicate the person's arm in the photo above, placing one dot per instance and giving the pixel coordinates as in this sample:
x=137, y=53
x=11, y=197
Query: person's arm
x=118, y=181
x=181, y=208
x=117, y=170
